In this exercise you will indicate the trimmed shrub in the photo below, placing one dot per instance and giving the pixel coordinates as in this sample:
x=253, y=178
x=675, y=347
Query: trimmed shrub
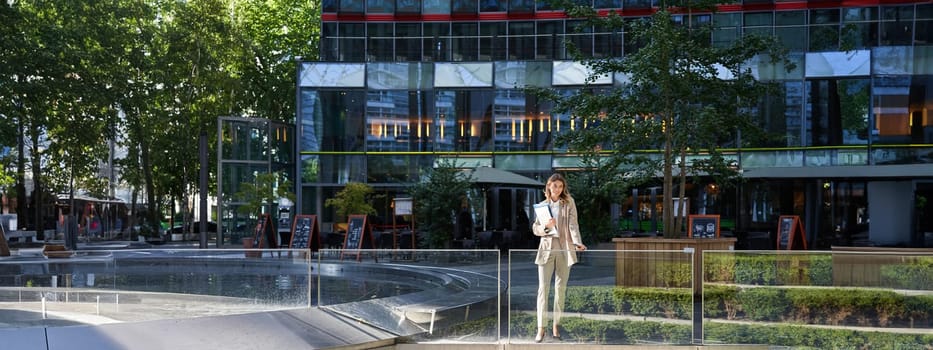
x=916, y=275
x=719, y=301
x=763, y=304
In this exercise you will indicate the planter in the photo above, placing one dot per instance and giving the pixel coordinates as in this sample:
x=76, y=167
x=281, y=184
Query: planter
x=56, y=251
x=645, y=261
x=249, y=250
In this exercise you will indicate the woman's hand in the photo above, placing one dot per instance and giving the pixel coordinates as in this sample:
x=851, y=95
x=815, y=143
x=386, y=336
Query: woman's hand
x=580, y=247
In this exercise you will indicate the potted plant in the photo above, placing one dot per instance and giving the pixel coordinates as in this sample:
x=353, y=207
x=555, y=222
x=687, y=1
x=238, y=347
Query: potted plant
x=353, y=199
x=261, y=195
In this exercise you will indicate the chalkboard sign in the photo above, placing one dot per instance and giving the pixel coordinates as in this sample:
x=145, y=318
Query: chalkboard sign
x=358, y=237
x=790, y=233
x=263, y=237
x=305, y=233
x=4, y=247
x=703, y=226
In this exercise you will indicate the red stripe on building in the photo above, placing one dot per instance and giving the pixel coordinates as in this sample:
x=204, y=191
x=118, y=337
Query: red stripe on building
x=380, y=17
x=437, y=17
x=493, y=16
x=790, y=6
x=550, y=15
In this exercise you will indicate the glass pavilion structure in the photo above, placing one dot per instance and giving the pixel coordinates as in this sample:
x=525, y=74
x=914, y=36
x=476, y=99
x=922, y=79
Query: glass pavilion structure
x=403, y=84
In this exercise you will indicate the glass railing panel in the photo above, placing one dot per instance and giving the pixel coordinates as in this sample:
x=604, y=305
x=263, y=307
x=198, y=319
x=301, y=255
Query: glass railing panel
x=428, y=294
x=772, y=159
x=839, y=299
x=902, y=155
x=612, y=297
x=819, y=157
x=112, y=286
x=852, y=157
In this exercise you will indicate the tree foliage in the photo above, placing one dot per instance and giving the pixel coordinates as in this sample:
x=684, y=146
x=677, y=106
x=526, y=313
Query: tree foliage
x=75, y=75
x=353, y=199
x=264, y=192
x=437, y=200
x=678, y=96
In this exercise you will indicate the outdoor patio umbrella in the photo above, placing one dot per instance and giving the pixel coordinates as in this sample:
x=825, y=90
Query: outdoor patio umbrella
x=485, y=177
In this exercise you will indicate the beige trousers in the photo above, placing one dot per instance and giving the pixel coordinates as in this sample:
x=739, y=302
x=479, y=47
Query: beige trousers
x=556, y=265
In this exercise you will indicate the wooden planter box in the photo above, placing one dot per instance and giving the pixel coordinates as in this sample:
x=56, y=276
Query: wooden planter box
x=648, y=261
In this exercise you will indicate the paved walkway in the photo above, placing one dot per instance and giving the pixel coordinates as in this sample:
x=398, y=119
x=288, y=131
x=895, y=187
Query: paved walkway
x=290, y=329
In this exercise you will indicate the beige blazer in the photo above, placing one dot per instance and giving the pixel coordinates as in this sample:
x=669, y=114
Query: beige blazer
x=566, y=222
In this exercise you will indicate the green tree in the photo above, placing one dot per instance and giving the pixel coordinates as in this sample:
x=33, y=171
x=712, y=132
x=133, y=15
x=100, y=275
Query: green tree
x=594, y=189
x=61, y=92
x=75, y=74
x=261, y=195
x=272, y=36
x=353, y=199
x=679, y=94
x=436, y=200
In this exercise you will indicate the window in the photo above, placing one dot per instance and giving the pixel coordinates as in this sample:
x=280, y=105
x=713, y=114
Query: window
x=464, y=6
x=779, y=116
x=521, y=124
x=491, y=6
x=521, y=6
x=408, y=42
x=380, y=6
x=791, y=30
x=549, y=39
x=861, y=28
x=838, y=111
x=581, y=35
x=350, y=6
x=607, y=4
x=758, y=23
x=463, y=120
x=897, y=25
x=726, y=28
x=436, y=42
x=521, y=40
x=491, y=43
x=824, y=30
x=437, y=7
x=380, y=42
x=344, y=130
x=329, y=42
x=465, y=41
x=900, y=116
x=393, y=121
x=607, y=43
x=351, y=38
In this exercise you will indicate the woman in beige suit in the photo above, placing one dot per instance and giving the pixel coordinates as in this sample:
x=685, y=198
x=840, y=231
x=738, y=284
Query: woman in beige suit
x=560, y=241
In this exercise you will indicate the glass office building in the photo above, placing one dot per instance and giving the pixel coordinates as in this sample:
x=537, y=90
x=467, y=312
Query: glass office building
x=404, y=84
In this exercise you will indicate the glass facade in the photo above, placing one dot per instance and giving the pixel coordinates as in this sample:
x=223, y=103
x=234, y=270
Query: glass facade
x=249, y=147
x=402, y=84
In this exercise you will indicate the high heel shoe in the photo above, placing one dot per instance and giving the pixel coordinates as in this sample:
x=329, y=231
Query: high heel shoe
x=540, y=336
x=556, y=333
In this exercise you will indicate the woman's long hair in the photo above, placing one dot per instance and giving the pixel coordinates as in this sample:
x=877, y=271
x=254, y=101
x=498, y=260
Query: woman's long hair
x=565, y=194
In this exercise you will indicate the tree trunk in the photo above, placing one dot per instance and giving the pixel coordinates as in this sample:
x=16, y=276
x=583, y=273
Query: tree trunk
x=666, y=212
x=152, y=212
x=681, y=193
x=36, y=182
x=21, y=173
x=132, y=217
